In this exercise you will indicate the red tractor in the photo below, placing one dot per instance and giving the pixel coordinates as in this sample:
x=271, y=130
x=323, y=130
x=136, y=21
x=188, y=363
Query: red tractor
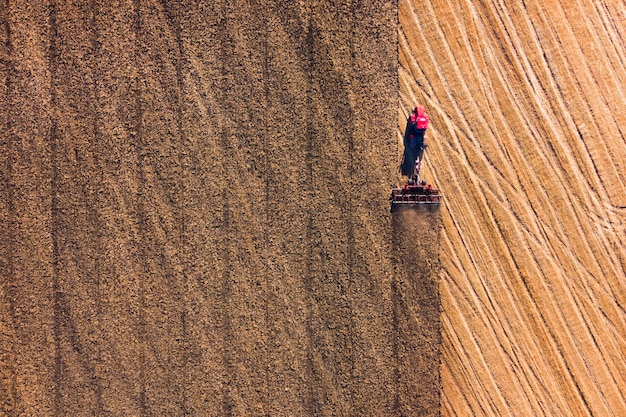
x=415, y=192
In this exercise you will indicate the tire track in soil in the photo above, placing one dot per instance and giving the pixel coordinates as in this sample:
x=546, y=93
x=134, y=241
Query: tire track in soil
x=264, y=116
x=92, y=200
x=140, y=211
x=54, y=212
x=227, y=328
x=174, y=21
x=266, y=223
x=313, y=402
x=395, y=294
x=8, y=395
x=349, y=117
x=30, y=286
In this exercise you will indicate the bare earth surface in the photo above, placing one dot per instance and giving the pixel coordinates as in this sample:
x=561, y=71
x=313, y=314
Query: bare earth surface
x=528, y=144
x=195, y=218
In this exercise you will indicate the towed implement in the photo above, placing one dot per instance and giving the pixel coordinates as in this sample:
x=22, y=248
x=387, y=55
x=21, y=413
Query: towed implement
x=416, y=192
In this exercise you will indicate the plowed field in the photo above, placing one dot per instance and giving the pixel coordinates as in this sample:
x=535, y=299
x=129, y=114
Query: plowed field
x=195, y=216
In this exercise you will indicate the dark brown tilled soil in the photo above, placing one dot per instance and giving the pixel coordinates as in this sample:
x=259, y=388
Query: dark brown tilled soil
x=195, y=217
x=416, y=307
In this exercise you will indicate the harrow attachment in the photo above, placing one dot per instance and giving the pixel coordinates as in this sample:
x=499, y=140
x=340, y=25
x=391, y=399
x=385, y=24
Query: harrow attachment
x=413, y=195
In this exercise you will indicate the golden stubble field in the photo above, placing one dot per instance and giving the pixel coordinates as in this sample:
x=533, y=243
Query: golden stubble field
x=527, y=104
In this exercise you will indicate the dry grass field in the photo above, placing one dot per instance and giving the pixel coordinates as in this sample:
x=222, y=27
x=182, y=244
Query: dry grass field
x=527, y=103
